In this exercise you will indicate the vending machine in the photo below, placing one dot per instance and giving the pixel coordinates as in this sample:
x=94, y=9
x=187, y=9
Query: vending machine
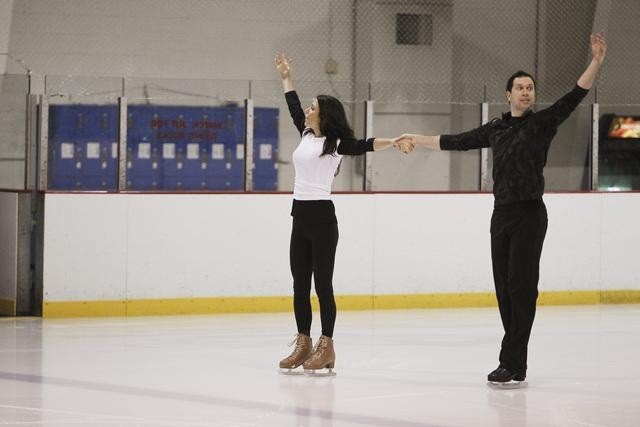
x=619, y=153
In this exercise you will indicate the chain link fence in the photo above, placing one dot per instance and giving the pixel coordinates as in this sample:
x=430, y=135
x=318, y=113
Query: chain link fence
x=388, y=50
x=445, y=51
x=427, y=65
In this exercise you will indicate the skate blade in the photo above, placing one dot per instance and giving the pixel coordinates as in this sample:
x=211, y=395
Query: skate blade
x=508, y=385
x=291, y=371
x=325, y=372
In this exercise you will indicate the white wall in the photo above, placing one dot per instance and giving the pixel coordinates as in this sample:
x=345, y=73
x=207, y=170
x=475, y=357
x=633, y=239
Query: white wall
x=423, y=170
x=9, y=246
x=13, y=90
x=225, y=39
x=492, y=39
x=151, y=41
x=128, y=246
x=236, y=39
x=617, y=81
x=5, y=26
x=393, y=69
x=11, y=170
x=476, y=43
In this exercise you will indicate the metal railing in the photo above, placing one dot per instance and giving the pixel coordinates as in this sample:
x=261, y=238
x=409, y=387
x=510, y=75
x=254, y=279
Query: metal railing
x=579, y=142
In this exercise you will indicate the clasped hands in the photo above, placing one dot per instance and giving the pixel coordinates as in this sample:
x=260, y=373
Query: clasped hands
x=406, y=142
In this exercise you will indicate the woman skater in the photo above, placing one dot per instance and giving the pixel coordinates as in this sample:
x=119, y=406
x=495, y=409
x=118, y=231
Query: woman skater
x=325, y=137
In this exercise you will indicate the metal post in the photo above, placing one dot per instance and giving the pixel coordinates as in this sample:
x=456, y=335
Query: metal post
x=122, y=143
x=43, y=155
x=368, y=133
x=595, y=143
x=484, y=153
x=248, y=145
x=31, y=143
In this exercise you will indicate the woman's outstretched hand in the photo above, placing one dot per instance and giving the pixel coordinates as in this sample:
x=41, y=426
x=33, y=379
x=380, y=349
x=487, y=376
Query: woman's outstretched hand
x=283, y=65
x=598, y=47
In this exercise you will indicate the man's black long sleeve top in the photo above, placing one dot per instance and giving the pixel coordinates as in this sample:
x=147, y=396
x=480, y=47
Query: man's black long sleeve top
x=519, y=145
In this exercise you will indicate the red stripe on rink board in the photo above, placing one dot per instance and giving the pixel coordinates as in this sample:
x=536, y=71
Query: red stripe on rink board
x=260, y=193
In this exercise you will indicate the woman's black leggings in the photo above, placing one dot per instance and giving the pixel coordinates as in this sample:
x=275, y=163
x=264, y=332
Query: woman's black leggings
x=517, y=234
x=312, y=252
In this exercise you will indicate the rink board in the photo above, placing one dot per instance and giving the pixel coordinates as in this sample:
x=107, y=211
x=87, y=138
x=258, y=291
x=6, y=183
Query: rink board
x=136, y=254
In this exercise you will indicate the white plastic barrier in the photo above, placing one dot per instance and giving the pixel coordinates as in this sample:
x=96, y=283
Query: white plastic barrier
x=119, y=247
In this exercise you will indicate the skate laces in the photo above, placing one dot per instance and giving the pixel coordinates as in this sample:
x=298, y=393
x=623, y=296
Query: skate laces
x=295, y=340
x=320, y=345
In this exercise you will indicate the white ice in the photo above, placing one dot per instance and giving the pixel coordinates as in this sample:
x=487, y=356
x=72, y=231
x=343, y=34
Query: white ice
x=394, y=368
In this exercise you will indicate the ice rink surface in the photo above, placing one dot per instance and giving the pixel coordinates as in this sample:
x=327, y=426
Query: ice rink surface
x=394, y=368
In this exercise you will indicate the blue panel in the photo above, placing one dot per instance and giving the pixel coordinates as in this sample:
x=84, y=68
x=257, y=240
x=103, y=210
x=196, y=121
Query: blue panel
x=81, y=138
x=265, y=153
x=168, y=147
x=63, y=134
x=144, y=152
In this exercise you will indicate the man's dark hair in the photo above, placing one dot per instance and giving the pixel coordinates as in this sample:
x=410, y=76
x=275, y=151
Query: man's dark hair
x=517, y=74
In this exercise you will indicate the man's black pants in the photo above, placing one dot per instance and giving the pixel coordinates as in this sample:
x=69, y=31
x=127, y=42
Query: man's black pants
x=517, y=234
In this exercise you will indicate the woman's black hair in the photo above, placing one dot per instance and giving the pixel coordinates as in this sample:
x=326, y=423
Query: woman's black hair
x=517, y=74
x=333, y=123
